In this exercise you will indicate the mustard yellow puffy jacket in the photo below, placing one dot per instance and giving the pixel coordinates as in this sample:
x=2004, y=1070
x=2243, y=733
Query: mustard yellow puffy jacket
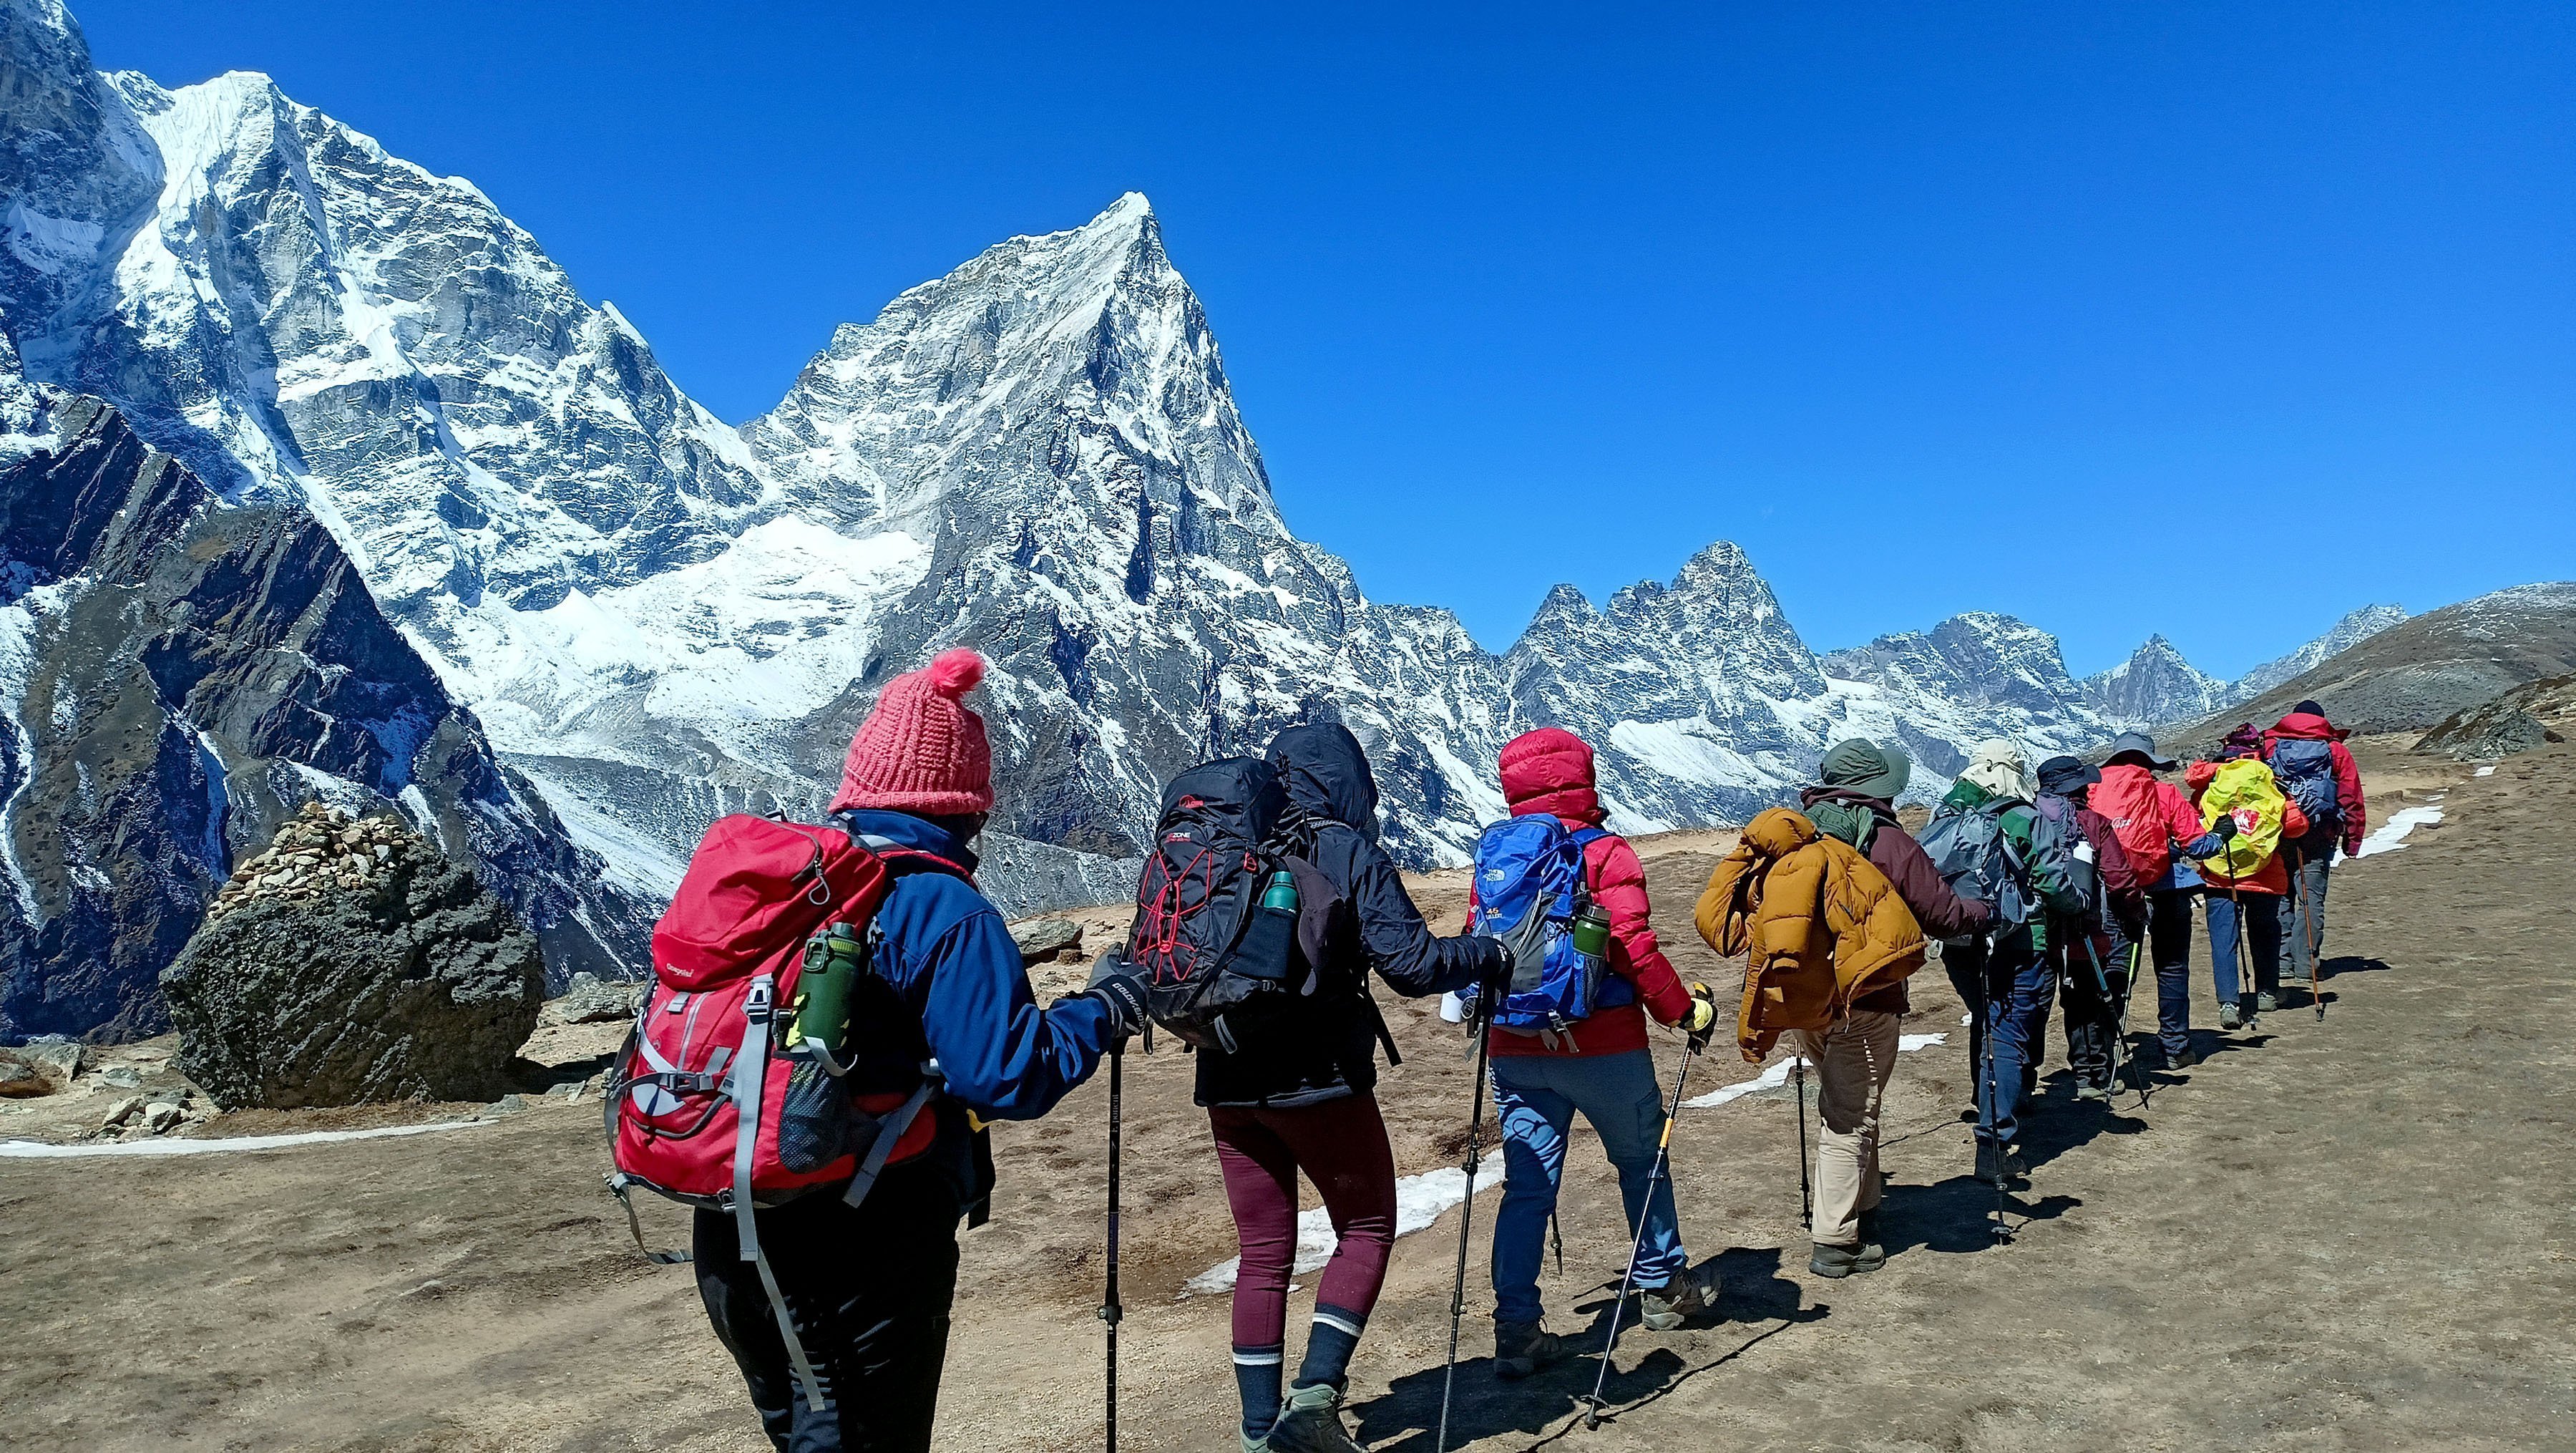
x=1820, y=924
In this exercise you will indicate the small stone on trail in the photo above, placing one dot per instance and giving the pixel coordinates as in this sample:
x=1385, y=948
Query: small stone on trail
x=122, y=1111
x=121, y=1077
x=161, y=1118
x=507, y=1105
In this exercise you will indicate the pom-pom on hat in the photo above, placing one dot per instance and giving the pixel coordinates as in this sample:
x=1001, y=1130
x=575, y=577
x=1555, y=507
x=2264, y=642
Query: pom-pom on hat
x=922, y=750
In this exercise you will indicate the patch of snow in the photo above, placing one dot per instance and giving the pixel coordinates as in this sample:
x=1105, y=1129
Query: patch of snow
x=2392, y=834
x=1419, y=1201
x=38, y=1150
x=1778, y=1074
x=2486, y=771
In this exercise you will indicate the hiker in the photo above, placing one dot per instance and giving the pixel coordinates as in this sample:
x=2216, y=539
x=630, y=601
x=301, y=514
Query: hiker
x=869, y=1286
x=1301, y=1094
x=2161, y=833
x=1600, y=1065
x=2091, y=953
x=2247, y=878
x=1855, y=801
x=2316, y=770
x=2007, y=977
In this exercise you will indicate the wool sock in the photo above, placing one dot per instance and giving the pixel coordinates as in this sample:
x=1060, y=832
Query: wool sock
x=1256, y=1380
x=1336, y=1335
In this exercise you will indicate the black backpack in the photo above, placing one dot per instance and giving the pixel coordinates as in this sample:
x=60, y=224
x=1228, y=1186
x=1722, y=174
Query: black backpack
x=1215, y=962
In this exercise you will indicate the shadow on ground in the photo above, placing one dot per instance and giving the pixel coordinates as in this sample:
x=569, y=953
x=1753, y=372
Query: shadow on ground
x=1752, y=1291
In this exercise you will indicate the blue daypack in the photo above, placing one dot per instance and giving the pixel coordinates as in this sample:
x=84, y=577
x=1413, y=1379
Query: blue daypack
x=1518, y=861
x=2304, y=768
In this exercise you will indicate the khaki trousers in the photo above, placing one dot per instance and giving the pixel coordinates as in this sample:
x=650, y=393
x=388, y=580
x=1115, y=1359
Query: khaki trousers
x=1853, y=1061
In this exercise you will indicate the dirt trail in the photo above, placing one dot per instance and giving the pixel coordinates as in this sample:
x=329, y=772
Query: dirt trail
x=2352, y=1236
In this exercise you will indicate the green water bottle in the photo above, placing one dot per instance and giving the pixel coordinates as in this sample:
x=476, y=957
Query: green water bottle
x=1592, y=932
x=834, y=960
x=1282, y=892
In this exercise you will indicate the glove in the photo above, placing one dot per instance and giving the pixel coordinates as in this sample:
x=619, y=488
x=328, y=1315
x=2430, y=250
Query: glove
x=2225, y=827
x=1121, y=990
x=1701, y=1021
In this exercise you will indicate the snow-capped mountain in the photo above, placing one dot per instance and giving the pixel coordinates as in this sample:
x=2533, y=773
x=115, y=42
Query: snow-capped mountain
x=2355, y=628
x=656, y=617
x=178, y=678
x=2155, y=686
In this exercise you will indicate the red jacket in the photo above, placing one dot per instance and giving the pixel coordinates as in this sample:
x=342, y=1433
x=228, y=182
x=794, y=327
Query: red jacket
x=1550, y=771
x=2269, y=878
x=2149, y=816
x=2308, y=726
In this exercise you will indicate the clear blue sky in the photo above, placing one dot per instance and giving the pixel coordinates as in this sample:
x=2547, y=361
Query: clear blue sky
x=2215, y=319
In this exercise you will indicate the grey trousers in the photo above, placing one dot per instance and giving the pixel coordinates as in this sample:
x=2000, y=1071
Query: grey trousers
x=2303, y=919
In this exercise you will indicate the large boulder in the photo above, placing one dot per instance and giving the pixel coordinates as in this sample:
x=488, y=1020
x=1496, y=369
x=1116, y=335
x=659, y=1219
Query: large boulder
x=353, y=962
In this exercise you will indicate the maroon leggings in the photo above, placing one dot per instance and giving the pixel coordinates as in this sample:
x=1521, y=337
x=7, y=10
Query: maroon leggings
x=1341, y=1144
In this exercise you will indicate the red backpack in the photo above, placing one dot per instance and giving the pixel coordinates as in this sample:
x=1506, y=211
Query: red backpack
x=711, y=1042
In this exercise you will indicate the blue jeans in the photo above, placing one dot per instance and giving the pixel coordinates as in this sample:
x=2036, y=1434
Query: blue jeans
x=2008, y=989
x=2262, y=939
x=1539, y=1095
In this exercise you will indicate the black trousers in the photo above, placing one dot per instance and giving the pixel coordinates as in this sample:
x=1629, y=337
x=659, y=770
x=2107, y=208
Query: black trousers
x=869, y=1288
x=2092, y=1017
x=2169, y=949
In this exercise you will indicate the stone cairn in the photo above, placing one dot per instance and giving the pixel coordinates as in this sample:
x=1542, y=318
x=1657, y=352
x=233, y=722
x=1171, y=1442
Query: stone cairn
x=319, y=849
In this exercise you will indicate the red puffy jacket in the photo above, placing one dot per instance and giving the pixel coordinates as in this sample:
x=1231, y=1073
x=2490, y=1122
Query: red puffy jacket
x=1550, y=771
x=2308, y=726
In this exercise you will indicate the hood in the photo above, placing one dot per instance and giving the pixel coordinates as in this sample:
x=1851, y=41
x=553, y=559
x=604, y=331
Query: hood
x=1550, y=771
x=1998, y=767
x=1327, y=775
x=1810, y=796
x=1777, y=832
x=2307, y=726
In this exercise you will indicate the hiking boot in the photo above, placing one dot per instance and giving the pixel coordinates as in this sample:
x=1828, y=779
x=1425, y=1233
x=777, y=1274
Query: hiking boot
x=2181, y=1059
x=2009, y=1164
x=1521, y=1348
x=1252, y=1444
x=1837, y=1262
x=2092, y=1092
x=1665, y=1307
x=2265, y=1003
x=2228, y=1017
x=1310, y=1421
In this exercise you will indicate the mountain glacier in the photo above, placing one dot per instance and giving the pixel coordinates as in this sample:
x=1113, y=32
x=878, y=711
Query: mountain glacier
x=655, y=617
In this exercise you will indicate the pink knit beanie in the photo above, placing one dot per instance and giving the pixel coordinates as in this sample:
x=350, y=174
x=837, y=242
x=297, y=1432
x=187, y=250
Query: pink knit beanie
x=922, y=750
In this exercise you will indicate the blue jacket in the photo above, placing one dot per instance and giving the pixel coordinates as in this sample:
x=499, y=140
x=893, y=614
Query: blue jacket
x=949, y=957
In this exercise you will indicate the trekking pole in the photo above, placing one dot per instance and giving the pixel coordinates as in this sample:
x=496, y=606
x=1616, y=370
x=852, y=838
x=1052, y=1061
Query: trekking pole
x=1806, y=1192
x=2102, y=987
x=1110, y=1310
x=2137, y=953
x=2240, y=957
x=1645, y=1211
x=1994, y=1108
x=2308, y=935
x=1466, y=1214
